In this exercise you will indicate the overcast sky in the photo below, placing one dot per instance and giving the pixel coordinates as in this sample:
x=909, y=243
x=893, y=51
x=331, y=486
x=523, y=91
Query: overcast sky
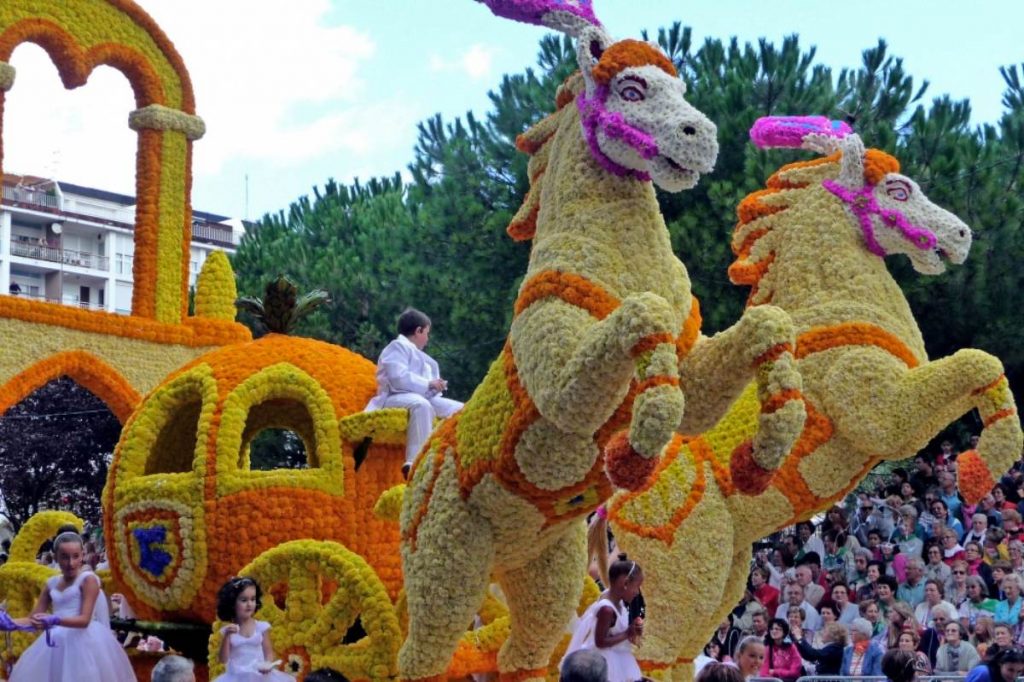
x=295, y=93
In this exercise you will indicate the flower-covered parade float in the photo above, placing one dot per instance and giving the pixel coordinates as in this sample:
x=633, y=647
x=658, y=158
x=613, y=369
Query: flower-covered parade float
x=598, y=351
x=813, y=243
x=605, y=382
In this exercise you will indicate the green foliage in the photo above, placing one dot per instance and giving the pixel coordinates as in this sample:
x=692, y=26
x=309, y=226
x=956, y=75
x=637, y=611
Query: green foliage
x=438, y=243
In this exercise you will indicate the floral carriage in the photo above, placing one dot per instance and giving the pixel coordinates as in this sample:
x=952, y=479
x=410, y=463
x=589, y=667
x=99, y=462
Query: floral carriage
x=184, y=511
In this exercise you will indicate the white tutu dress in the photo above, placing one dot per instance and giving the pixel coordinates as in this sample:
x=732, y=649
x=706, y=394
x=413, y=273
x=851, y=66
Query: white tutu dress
x=89, y=654
x=622, y=665
x=246, y=654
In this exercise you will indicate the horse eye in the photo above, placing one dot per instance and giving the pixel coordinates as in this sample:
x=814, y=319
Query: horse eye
x=898, y=193
x=631, y=93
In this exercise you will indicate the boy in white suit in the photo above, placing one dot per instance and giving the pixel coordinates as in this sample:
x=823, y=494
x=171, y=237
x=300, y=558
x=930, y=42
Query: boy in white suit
x=409, y=378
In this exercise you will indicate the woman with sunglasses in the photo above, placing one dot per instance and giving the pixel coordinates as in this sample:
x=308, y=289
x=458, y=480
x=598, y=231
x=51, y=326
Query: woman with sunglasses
x=956, y=588
x=781, y=656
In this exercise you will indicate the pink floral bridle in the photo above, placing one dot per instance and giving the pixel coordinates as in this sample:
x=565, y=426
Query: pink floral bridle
x=863, y=205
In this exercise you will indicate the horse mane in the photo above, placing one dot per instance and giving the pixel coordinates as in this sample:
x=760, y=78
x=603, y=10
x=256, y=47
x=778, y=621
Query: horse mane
x=535, y=142
x=760, y=212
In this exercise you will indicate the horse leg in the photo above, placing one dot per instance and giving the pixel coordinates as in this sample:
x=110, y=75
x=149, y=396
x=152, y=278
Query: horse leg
x=896, y=411
x=447, y=563
x=585, y=369
x=542, y=597
x=759, y=347
x=682, y=604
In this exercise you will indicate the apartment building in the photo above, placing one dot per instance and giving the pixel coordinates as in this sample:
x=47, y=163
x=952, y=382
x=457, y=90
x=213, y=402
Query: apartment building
x=70, y=244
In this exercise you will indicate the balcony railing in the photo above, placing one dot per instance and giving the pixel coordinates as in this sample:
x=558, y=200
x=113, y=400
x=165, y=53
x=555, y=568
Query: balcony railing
x=68, y=300
x=54, y=254
x=31, y=197
x=211, y=232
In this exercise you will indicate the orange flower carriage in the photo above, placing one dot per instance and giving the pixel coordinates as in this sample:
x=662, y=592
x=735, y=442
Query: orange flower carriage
x=183, y=510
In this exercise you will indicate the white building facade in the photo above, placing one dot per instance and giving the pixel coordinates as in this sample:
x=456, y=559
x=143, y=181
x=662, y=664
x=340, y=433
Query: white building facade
x=70, y=244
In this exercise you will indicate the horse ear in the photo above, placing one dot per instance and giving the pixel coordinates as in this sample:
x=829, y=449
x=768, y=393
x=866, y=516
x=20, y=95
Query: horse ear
x=592, y=43
x=851, y=170
x=821, y=143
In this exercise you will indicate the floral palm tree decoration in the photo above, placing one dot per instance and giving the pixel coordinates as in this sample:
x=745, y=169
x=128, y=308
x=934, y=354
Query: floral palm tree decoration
x=281, y=308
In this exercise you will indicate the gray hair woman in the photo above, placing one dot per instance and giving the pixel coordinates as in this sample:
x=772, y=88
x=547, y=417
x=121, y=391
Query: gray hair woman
x=1016, y=548
x=977, y=602
x=956, y=655
x=861, y=657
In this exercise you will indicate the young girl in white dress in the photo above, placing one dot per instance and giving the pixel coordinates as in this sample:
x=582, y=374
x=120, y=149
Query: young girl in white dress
x=78, y=645
x=606, y=627
x=246, y=647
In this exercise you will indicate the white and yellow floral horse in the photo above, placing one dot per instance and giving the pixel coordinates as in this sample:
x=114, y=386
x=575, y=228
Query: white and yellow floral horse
x=812, y=243
x=601, y=321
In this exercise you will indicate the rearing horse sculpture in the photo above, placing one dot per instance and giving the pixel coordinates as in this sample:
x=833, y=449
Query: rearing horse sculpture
x=602, y=320
x=813, y=244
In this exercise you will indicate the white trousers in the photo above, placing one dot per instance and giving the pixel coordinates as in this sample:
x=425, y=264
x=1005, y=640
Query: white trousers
x=422, y=412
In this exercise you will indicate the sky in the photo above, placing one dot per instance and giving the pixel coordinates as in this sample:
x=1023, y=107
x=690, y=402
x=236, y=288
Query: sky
x=296, y=93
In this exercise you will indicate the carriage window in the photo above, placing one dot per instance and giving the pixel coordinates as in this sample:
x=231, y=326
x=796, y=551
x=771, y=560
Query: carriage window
x=277, y=449
x=176, y=443
x=278, y=434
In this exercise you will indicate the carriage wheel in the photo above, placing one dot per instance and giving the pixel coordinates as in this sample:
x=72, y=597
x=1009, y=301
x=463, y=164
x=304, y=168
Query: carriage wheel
x=313, y=593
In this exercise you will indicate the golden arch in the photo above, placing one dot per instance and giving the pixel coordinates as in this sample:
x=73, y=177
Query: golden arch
x=85, y=369
x=120, y=34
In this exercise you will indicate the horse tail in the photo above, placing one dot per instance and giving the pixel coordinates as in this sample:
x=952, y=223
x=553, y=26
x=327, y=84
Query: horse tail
x=597, y=543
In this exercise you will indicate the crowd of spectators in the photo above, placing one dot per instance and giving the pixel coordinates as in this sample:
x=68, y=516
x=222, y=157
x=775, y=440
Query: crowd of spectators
x=911, y=567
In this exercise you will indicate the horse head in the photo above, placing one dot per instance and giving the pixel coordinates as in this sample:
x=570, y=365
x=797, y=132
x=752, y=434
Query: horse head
x=893, y=213
x=635, y=118
x=902, y=218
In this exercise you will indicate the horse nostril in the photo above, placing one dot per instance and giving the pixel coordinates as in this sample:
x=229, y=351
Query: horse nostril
x=689, y=130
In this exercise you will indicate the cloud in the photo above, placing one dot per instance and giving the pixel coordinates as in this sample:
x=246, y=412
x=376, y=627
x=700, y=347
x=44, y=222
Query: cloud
x=476, y=62
x=272, y=85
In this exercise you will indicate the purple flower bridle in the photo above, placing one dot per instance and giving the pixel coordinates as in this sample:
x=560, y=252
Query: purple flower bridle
x=594, y=117
x=863, y=204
